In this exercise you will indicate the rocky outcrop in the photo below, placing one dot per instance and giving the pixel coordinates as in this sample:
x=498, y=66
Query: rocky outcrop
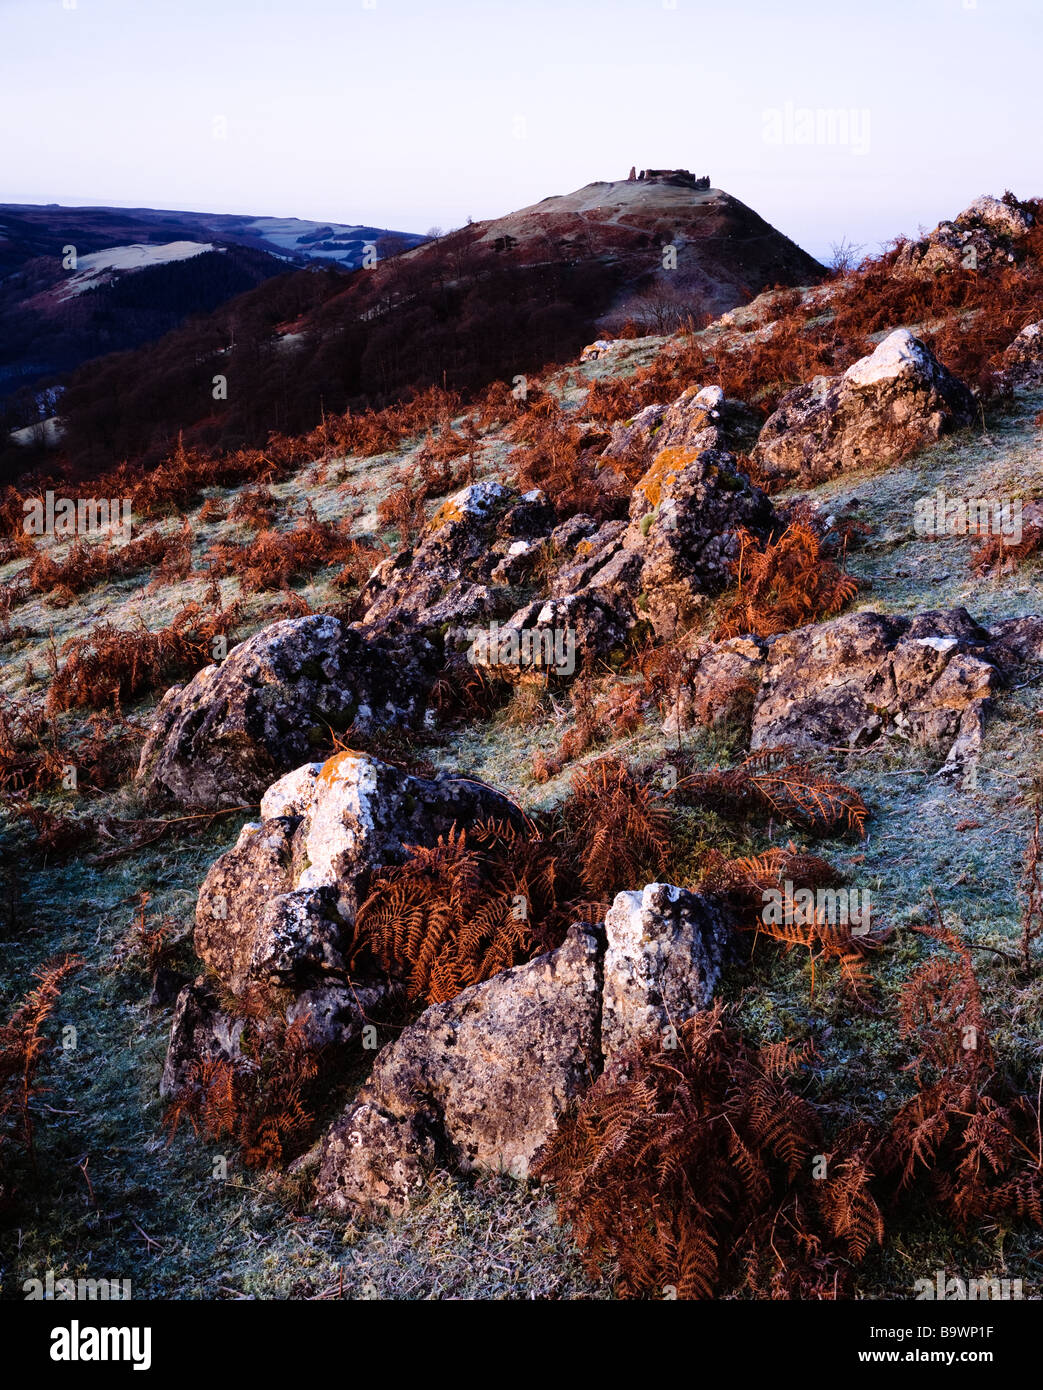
x=926, y=680
x=478, y=1082
x=1016, y=643
x=867, y=676
x=1022, y=363
x=701, y=418
x=553, y=637
x=656, y=569
x=459, y=573
x=481, y=1081
x=685, y=516
x=274, y=911
x=985, y=235
x=898, y=399
x=272, y=704
x=585, y=557
x=600, y=347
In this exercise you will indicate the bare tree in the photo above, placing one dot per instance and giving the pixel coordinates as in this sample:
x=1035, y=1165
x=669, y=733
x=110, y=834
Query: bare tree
x=844, y=256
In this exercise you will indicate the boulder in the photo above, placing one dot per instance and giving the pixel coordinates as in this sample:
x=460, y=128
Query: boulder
x=867, y=676
x=662, y=963
x=272, y=703
x=200, y=1031
x=481, y=1081
x=460, y=571
x=1015, y=643
x=715, y=682
x=478, y=1082
x=985, y=235
x=1022, y=362
x=685, y=516
x=275, y=911
x=659, y=567
x=896, y=400
x=701, y=418
x=552, y=637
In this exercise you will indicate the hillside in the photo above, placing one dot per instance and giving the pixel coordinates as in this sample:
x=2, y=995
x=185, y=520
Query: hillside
x=30, y=231
x=726, y=253
x=431, y=772
x=148, y=288
x=490, y=300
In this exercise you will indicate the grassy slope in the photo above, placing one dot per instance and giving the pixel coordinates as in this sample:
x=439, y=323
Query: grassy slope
x=117, y=1200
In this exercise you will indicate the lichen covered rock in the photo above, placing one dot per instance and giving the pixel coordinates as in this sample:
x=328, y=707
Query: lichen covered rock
x=867, y=676
x=481, y=1081
x=271, y=705
x=896, y=400
x=478, y=1082
x=275, y=911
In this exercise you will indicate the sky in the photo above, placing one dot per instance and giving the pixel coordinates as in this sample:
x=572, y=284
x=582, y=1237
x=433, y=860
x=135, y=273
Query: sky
x=835, y=119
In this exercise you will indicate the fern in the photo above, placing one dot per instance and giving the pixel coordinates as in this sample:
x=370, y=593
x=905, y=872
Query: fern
x=264, y=1100
x=967, y=1135
x=772, y=782
x=461, y=911
x=782, y=584
x=617, y=828
x=691, y=1168
x=24, y=1047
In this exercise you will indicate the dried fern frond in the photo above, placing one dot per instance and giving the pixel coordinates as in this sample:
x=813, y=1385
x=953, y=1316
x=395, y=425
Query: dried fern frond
x=782, y=584
x=24, y=1047
x=461, y=911
x=617, y=828
x=966, y=1135
x=683, y=1169
x=746, y=884
x=264, y=1099
x=771, y=781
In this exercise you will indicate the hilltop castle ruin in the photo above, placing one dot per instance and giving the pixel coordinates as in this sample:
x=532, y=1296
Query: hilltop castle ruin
x=681, y=177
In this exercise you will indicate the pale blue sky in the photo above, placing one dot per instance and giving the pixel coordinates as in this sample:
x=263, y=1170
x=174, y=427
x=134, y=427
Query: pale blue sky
x=410, y=113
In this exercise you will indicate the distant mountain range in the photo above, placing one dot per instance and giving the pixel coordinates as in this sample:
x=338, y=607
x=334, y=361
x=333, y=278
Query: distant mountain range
x=77, y=283
x=28, y=231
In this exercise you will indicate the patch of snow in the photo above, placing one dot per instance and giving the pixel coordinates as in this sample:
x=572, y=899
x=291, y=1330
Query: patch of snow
x=98, y=266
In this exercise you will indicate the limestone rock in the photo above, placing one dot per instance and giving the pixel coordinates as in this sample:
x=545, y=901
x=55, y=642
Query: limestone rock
x=200, y=1032
x=459, y=571
x=568, y=534
x=865, y=676
x=675, y=551
x=699, y=419
x=270, y=705
x=662, y=963
x=986, y=234
x=478, y=1082
x=1015, y=643
x=896, y=400
x=716, y=682
x=586, y=557
x=685, y=516
x=481, y=1081
x=275, y=911
x=552, y=637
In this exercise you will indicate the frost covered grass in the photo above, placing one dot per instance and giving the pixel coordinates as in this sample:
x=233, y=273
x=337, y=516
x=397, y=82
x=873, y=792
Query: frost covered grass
x=116, y=1199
